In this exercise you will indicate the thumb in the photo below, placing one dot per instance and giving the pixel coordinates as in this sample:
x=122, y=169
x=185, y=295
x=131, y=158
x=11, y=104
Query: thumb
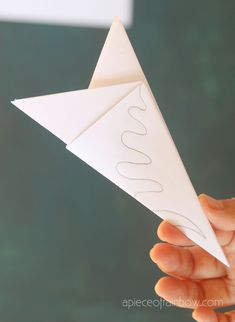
x=221, y=213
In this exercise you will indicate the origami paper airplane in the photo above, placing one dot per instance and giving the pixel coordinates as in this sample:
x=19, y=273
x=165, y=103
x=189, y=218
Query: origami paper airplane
x=117, y=128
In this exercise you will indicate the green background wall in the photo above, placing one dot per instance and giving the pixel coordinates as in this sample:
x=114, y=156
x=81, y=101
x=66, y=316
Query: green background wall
x=72, y=245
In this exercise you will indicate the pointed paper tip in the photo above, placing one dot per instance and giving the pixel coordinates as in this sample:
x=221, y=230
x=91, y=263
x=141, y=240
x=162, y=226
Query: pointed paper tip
x=225, y=261
x=13, y=102
x=219, y=254
x=117, y=22
x=116, y=19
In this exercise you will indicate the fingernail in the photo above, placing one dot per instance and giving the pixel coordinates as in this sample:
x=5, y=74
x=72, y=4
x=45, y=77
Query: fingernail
x=215, y=204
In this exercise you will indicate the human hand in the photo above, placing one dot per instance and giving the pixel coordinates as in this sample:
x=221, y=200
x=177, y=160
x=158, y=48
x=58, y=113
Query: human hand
x=197, y=280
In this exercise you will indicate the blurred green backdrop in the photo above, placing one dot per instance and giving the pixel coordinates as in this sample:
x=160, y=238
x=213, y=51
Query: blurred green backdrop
x=72, y=245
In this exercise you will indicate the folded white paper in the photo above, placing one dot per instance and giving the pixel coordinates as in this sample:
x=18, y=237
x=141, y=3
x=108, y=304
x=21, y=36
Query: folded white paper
x=116, y=127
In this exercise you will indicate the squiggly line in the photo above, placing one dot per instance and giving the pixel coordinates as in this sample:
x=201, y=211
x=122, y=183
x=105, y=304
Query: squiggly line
x=149, y=160
x=196, y=228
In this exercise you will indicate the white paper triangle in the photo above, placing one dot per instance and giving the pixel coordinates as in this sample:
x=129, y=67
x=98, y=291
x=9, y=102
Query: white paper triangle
x=130, y=146
x=66, y=115
x=117, y=62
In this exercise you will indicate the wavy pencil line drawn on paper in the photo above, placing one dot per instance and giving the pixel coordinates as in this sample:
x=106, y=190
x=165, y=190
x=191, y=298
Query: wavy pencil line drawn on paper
x=189, y=225
x=192, y=226
x=158, y=185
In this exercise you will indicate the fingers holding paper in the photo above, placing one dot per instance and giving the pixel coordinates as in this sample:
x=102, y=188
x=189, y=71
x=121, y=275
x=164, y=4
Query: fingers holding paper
x=196, y=276
x=222, y=220
x=197, y=279
x=192, y=262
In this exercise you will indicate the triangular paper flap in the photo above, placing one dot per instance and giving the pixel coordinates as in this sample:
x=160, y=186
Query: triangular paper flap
x=117, y=62
x=67, y=114
x=131, y=147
